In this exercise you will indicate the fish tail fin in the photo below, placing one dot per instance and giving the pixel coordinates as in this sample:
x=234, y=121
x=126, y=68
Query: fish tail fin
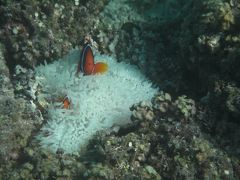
x=100, y=67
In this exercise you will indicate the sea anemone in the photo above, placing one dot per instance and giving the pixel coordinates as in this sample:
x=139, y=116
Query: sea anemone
x=97, y=101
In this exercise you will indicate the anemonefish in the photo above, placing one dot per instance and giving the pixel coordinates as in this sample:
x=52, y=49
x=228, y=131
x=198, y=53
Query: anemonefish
x=86, y=63
x=66, y=103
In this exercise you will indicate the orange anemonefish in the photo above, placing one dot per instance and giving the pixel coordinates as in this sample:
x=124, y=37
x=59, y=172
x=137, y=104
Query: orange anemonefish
x=86, y=62
x=66, y=103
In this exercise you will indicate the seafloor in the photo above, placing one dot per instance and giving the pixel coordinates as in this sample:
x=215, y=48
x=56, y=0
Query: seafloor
x=189, y=49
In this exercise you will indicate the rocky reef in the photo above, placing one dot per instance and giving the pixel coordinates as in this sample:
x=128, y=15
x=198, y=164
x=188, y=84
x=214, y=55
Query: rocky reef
x=191, y=48
x=34, y=31
x=184, y=47
x=18, y=117
x=162, y=142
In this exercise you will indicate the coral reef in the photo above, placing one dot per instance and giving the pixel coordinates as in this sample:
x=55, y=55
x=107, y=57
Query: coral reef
x=191, y=47
x=148, y=37
x=184, y=46
x=39, y=30
x=165, y=142
x=18, y=117
x=210, y=67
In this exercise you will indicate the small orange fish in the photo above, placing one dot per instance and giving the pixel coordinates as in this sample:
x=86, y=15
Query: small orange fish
x=86, y=63
x=66, y=103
